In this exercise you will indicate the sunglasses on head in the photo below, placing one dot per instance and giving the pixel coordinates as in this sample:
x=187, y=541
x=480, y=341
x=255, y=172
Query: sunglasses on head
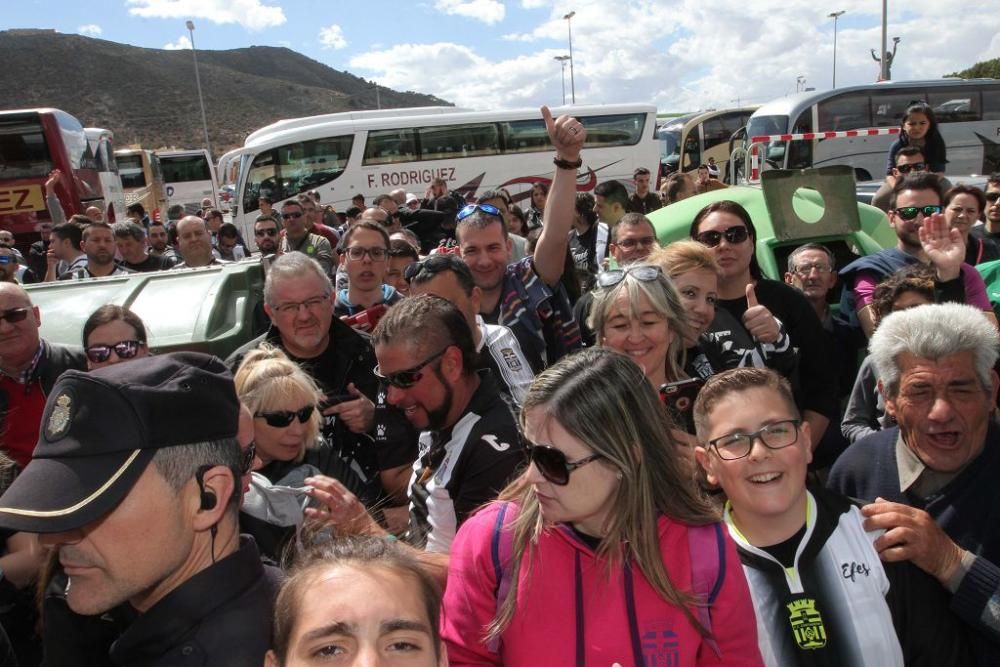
x=265, y=232
x=733, y=236
x=915, y=166
x=644, y=272
x=14, y=315
x=125, y=349
x=7, y=259
x=409, y=377
x=247, y=457
x=432, y=264
x=553, y=464
x=911, y=212
x=284, y=418
x=489, y=209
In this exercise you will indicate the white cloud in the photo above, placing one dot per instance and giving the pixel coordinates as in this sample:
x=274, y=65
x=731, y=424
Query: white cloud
x=332, y=37
x=686, y=55
x=487, y=11
x=251, y=14
x=90, y=30
x=183, y=42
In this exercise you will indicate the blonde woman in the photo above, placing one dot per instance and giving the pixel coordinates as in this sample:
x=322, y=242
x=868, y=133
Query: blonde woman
x=603, y=551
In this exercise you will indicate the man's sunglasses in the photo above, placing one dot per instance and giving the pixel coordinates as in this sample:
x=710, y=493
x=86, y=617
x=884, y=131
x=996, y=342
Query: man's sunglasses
x=14, y=315
x=284, y=418
x=7, y=259
x=733, y=236
x=645, y=272
x=907, y=168
x=265, y=232
x=993, y=196
x=247, y=457
x=489, y=209
x=409, y=377
x=125, y=349
x=911, y=212
x=553, y=464
x=291, y=216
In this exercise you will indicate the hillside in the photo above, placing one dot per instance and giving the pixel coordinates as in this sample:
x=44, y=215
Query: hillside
x=148, y=96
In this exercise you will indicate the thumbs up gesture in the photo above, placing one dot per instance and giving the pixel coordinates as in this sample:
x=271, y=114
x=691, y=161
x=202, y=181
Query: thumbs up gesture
x=758, y=320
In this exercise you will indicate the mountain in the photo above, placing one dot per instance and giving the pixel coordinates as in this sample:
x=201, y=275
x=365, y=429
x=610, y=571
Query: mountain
x=149, y=97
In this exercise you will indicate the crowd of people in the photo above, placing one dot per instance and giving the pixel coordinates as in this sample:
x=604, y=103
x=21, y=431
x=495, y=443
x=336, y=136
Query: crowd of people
x=476, y=434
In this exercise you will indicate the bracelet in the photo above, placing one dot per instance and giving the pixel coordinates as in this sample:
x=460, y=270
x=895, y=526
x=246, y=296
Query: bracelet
x=567, y=164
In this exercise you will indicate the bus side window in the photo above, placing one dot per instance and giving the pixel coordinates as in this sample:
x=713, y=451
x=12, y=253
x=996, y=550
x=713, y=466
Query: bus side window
x=800, y=152
x=388, y=146
x=692, y=152
x=888, y=106
x=844, y=112
x=955, y=106
x=991, y=103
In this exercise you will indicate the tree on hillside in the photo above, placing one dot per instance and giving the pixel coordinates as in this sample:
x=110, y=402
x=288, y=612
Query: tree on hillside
x=988, y=69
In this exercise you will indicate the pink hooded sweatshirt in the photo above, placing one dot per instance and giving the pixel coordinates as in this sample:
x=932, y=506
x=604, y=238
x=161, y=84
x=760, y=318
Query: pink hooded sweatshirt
x=570, y=612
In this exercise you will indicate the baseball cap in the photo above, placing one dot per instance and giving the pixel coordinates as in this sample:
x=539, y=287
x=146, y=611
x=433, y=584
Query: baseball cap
x=100, y=430
x=411, y=197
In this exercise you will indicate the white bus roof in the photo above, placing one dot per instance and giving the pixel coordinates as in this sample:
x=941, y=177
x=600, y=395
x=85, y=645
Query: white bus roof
x=292, y=123
x=315, y=130
x=792, y=105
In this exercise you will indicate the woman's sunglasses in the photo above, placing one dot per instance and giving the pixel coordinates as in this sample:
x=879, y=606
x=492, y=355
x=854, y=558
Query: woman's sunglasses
x=733, y=235
x=552, y=463
x=126, y=349
x=911, y=212
x=284, y=418
x=645, y=272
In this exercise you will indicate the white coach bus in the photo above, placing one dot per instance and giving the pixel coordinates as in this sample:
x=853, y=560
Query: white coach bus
x=374, y=152
x=967, y=111
x=189, y=177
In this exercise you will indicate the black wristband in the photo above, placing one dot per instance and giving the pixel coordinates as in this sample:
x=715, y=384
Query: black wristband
x=566, y=164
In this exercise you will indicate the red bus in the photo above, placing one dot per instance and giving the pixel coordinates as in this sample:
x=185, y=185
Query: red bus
x=33, y=142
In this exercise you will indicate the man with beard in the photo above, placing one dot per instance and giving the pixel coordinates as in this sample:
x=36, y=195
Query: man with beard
x=265, y=232
x=158, y=246
x=99, y=246
x=469, y=442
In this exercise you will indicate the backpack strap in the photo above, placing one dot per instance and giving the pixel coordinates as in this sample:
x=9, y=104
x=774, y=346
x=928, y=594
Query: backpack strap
x=501, y=553
x=708, y=572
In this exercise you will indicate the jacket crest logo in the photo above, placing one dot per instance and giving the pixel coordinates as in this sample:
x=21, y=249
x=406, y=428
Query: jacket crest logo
x=807, y=624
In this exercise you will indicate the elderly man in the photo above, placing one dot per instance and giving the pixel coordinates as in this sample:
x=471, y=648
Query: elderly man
x=194, y=243
x=130, y=237
x=29, y=366
x=933, y=478
x=469, y=443
x=298, y=238
x=135, y=484
x=527, y=296
x=298, y=298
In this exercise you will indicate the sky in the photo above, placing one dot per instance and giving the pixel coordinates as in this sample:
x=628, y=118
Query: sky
x=681, y=55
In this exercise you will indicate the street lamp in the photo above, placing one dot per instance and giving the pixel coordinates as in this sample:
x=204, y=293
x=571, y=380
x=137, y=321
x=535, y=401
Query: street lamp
x=197, y=79
x=835, y=16
x=562, y=60
x=569, y=28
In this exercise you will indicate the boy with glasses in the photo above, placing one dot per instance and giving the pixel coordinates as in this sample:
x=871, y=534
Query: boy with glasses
x=821, y=594
x=364, y=258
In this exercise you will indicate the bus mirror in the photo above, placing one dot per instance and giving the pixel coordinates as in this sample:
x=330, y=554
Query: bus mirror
x=825, y=195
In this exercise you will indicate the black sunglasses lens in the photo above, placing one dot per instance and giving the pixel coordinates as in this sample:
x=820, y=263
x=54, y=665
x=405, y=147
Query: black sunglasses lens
x=15, y=316
x=908, y=213
x=737, y=234
x=98, y=353
x=992, y=196
x=551, y=463
x=127, y=349
x=710, y=239
x=286, y=417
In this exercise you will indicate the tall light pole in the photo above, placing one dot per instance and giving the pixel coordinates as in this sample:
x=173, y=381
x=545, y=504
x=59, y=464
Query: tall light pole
x=835, y=16
x=197, y=79
x=883, y=65
x=569, y=28
x=562, y=61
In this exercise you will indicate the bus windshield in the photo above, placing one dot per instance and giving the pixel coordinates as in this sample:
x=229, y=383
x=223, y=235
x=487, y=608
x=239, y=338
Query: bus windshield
x=130, y=169
x=670, y=143
x=761, y=125
x=185, y=168
x=24, y=152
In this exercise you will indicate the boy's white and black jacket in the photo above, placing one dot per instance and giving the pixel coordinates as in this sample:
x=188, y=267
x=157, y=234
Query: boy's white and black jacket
x=840, y=605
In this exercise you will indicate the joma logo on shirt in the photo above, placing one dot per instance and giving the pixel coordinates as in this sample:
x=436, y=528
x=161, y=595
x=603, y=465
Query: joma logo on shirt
x=492, y=441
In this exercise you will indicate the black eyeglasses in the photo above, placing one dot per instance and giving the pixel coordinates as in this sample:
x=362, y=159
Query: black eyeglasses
x=432, y=265
x=553, y=464
x=993, y=196
x=489, y=209
x=357, y=252
x=284, y=418
x=248, y=455
x=911, y=212
x=644, y=241
x=644, y=272
x=409, y=377
x=265, y=232
x=907, y=168
x=14, y=315
x=733, y=236
x=125, y=349
x=290, y=216
x=777, y=435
